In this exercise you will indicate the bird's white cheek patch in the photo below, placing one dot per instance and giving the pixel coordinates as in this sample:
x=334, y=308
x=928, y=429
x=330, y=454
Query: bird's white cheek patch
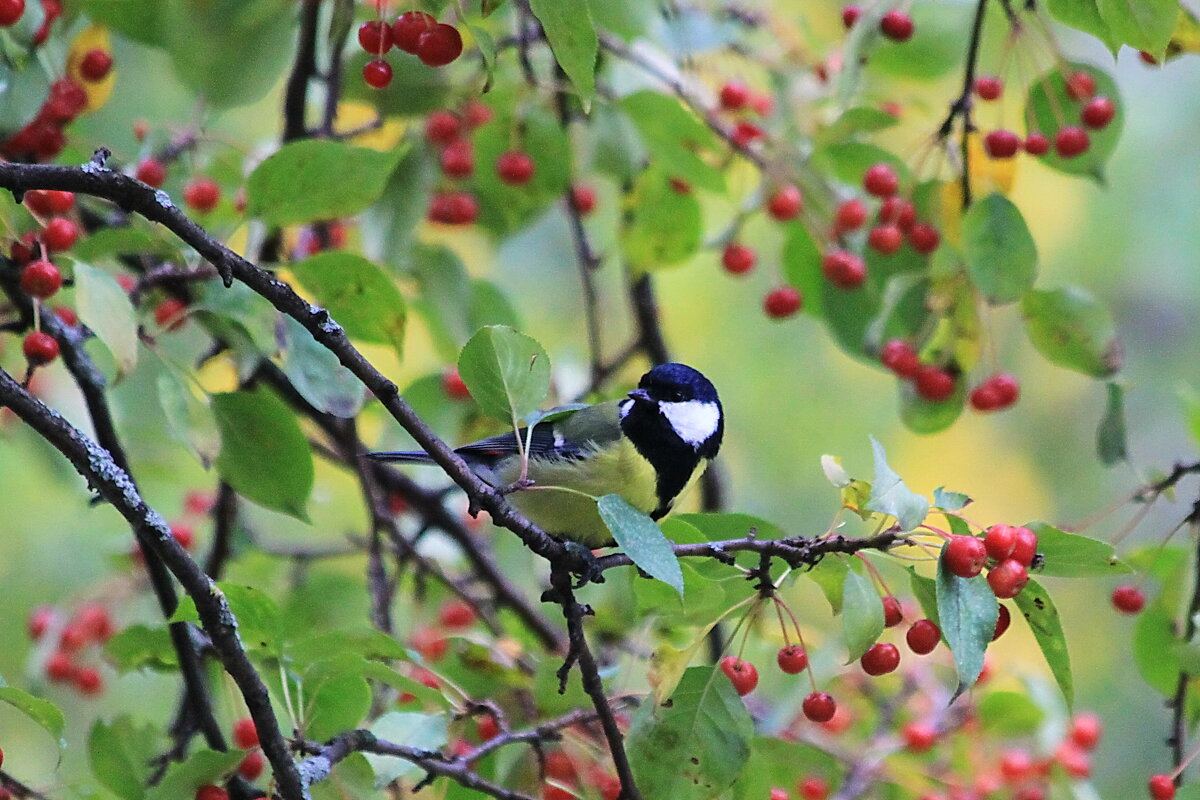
x=695, y=421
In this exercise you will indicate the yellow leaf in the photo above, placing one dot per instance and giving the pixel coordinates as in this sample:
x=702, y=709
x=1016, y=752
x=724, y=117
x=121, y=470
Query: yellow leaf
x=988, y=174
x=93, y=37
x=353, y=116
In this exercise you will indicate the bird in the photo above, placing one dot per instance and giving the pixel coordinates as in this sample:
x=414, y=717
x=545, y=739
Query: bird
x=649, y=447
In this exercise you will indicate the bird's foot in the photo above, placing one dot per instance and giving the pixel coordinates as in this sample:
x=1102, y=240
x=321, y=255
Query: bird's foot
x=515, y=486
x=590, y=572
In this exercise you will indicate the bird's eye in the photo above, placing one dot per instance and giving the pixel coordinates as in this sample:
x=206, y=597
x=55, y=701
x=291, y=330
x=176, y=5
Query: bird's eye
x=676, y=396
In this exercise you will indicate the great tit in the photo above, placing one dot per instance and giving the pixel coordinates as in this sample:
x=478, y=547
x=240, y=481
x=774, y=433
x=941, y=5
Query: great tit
x=649, y=448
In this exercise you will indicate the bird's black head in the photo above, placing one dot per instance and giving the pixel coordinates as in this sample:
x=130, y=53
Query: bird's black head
x=674, y=407
x=678, y=383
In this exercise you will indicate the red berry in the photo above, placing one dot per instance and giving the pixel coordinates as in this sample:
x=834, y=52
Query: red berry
x=560, y=767
x=95, y=65
x=988, y=87
x=1080, y=85
x=74, y=637
x=819, y=706
x=66, y=101
x=183, y=533
x=377, y=73
x=151, y=172
x=375, y=37
x=552, y=792
x=59, y=667
x=245, y=733
x=1001, y=144
x=1036, y=144
x=1071, y=141
x=850, y=216
x=1162, y=787
x=984, y=397
x=88, y=681
x=1098, y=112
x=40, y=620
x=60, y=234
x=1086, y=730
x=782, y=302
x=515, y=167
x=1016, y=765
x=1026, y=545
x=458, y=159
x=999, y=541
x=844, y=270
x=21, y=251
x=169, y=314
x=583, y=198
x=607, y=784
x=785, y=203
x=40, y=348
x=454, y=208
x=1003, y=620
x=923, y=636
x=252, y=765
x=814, y=788
x=44, y=202
x=1147, y=58
x=1006, y=387
x=738, y=259
x=210, y=792
x=924, y=238
x=896, y=25
x=885, y=239
x=1075, y=762
x=457, y=614
x=734, y=95
x=487, y=728
x=439, y=45
x=1128, y=599
x=899, y=356
x=408, y=27
x=899, y=211
x=792, y=659
x=880, y=659
x=965, y=556
x=430, y=644
x=443, y=127
x=1007, y=578
x=453, y=386
x=850, y=15
x=476, y=114
x=41, y=279
x=746, y=132
x=742, y=674
x=94, y=620
x=202, y=194
x=11, y=11
x=934, y=383
x=881, y=180
x=892, y=615
x=919, y=736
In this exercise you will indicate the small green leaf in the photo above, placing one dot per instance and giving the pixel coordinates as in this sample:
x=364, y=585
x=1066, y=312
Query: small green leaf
x=340, y=704
x=1070, y=328
x=889, y=495
x=967, y=614
x=998, y=249
x=190, y=419
x=202, y=767
x=718, y=526
x=1046, y=103
x=124, y=241
x=359, y=295
x=105, y=308
x=423, y=731
x=1069, y=555
x=830, y=575
x=257, y=615
x=507, y=372
x=696, y=744
x=43, y=712
x=949, y=501
x=663, y=227
x=242, y=316
x=314, y=179
x=862, y=615
x=673, y=134
x=861, y=119
x=142, y=647
x=1084, y=15
x=137, y=19
x=640, y=538
x=1111, y=441
x=572, y=36
x=1039, y=611
x=120, y=754
x=1141, y=24
x=317, y=374
x=1155, y=649
x=264, y=454
x=925, y=590
x=1010, y=714
x=802, y=269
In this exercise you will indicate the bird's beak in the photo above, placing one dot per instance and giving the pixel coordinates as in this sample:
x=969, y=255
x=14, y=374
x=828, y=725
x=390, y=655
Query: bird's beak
x=641, y=394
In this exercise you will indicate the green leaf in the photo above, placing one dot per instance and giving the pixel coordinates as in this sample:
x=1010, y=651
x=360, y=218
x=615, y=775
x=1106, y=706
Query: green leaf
x=1084, y=15
x=673, y=135
x=340, y=704
x=934, y=49
x=696, y=744
x=1069, y=555
x=359, y=295
x=889, y=495
x=490, y=306
x=105, y=308
x=424, y=731
x=202, y=767
x=1048, y=102
x=663, y=227
x=120, y=753
x=507, y=372
x=640, y=538
x=861, y=119
x=1072, y=329
x=802, y=268
x=830, y=575
x=128, y=240
x=351, y=777
x=774, y=763
x=142, y=647
x=43, y=712
x=862, y=615
x=244, y=317
x=1111, y=440
x=315, y=179
x=1010, y=714
x=1155, y=649
x=967, y=614
x=190, y=419
x=1141, y=24
x=1039, y=611
x=949, y=501
x=389, y=226
x=925, y=590
x=572, y=36
x=998, y=249
x=718, y=526
x=316, y=373
x=257, y=615
x=849, y=160
x=138, y=20
x=264, y=454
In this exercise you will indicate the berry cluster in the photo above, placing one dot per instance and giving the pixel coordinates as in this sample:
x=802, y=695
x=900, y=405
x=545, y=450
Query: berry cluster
x=1010, y=549
x=435, y=43
x=68, y=639
x=43, y=138
x=742, y=104
x=895, y=24
x=449, y=132
x=1071, y=139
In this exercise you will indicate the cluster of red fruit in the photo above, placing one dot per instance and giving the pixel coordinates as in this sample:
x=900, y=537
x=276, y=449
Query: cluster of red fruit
x=783, y=204
x=435, y=43
x=935, y=383
x=245, y=737
x=740, y=102
x=1010, y=549
x=895, y=24
x=12, y=10
x=90, y=624
x=40, y=277
x=1070, y=140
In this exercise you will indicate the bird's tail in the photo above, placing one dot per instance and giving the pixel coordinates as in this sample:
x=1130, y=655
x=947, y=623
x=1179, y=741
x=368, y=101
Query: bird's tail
x=403, y=456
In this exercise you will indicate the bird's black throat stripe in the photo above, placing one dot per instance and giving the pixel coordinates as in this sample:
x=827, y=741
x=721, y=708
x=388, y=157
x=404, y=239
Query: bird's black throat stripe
x=673, y=459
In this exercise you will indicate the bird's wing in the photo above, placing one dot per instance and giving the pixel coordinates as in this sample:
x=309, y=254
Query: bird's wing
x=566, y=437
